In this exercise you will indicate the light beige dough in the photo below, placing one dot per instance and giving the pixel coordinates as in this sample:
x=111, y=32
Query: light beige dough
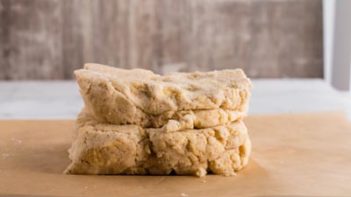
x=140, y=97
x=181, y=120
x=137, y=122
x=129, y=149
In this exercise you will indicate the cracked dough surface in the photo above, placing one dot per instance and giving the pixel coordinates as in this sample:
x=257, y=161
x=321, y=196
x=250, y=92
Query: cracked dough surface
x=150, y=100
x=129, y=149
x=181, y=120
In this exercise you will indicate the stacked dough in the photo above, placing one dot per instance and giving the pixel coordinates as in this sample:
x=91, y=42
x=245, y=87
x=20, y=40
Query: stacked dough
x=138, y=122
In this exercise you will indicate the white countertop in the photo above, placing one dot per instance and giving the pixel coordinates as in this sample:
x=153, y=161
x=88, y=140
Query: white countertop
x=61, y=99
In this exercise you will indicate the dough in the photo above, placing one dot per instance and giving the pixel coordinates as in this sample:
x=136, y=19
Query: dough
x=108, y=149
x=100, y=148
x=140, y=97
x=181, y=120
x=137, y=122
x=222, y=150
x=196, y=119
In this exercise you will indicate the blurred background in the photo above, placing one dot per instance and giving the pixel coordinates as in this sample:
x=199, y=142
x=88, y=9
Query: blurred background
x=48, y=39
x=276, y=39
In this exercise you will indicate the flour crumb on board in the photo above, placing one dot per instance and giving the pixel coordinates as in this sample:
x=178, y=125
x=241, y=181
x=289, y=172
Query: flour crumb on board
x=5, y=155
x=17, y=141
x=183, y=195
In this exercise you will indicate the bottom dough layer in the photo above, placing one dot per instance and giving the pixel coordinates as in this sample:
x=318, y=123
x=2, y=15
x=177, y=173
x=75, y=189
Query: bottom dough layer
x=130, y=149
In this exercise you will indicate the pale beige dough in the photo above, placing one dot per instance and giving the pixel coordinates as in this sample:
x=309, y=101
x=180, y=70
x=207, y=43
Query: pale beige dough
x=140, y=97
x=222, y=150
x=138, y=122
x=108, y=149
x=129, y=149
x=181, y=120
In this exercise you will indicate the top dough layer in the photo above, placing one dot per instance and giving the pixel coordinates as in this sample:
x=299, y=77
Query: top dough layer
x=122, y=96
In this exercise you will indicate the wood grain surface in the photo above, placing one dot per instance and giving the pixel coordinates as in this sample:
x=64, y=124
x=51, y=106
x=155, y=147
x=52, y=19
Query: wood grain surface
x=42, y=39
x=293, y=155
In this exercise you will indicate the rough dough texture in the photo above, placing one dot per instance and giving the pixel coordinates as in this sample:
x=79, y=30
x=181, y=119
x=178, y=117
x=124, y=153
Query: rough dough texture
x=181, y=120
x=129, y=149
x=108, y=149
x=138, y=122
x=140, y=97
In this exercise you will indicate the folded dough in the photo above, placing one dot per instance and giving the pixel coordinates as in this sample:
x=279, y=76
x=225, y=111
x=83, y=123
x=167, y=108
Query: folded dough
x=140, y=97
x=138, y=122
x=101, y=148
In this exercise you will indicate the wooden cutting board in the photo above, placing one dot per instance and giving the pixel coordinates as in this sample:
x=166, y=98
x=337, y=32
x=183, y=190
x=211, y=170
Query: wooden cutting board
x=306, y=154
